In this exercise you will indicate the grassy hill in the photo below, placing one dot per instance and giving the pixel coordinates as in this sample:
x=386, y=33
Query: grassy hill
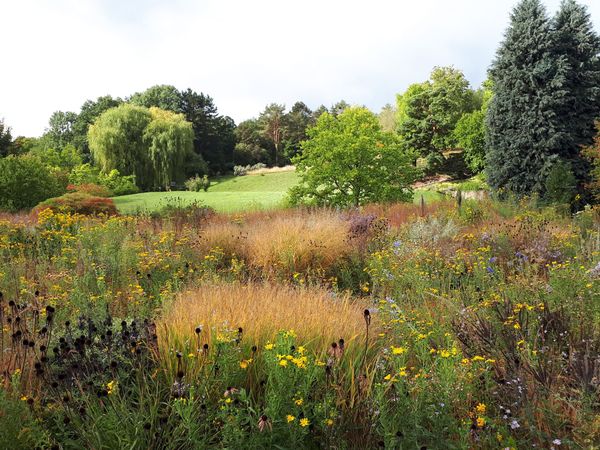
x=226, y=194
x=258, y=191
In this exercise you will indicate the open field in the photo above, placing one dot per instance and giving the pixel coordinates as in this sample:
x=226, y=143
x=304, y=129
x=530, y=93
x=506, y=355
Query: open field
x=253, y=192
x=226, y=194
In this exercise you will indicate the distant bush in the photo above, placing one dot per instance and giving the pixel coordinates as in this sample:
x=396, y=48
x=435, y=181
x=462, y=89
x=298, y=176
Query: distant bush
x=79, y=203
x=195, y=184
x=116, y=183
x=93, y=189
x=25, y=181
x=119, y=184
x=239, y=171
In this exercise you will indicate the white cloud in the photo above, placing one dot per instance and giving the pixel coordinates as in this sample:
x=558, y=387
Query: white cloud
x=244, y=54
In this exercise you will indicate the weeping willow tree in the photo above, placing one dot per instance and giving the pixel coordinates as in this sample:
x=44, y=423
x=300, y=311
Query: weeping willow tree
x=150, y=144
x=169, y=138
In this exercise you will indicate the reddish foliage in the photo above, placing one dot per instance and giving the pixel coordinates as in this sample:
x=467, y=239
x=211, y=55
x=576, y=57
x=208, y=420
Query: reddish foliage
x=80, y=203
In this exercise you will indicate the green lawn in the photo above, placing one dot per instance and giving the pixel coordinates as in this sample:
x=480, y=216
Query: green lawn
x=226, y=194
x=232, y=194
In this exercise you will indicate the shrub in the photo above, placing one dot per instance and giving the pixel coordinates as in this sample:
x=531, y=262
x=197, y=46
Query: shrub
x=239, y=171
x=90, y=188
x=79, y=203
x=119, y=184
x=24, y=182
x=116, y=183
x=196, y=183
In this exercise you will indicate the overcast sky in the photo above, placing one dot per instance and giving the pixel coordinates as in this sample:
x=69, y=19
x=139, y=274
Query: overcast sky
x=243, y=53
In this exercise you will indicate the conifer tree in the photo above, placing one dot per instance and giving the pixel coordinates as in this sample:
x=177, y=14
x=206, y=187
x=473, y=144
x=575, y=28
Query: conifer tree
x=528, y=87
x=578, y=46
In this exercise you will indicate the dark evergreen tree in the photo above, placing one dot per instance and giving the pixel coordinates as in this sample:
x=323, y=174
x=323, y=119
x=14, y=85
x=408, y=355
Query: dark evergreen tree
x=578, y=46
x=5, y=139
x=529, y=85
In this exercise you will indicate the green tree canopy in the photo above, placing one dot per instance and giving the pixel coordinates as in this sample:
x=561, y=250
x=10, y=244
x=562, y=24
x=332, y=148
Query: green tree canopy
x=90, y=110
x=214, y=138
x=169, y=138
x=24, y=182
x=429, y=111
x=523, y=135
x=5, y=139
x=469, y=132
x=348, y=160
x=578, y=46
x=151, y=144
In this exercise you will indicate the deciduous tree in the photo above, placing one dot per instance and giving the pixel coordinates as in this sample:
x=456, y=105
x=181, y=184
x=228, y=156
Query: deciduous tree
x=349, y=161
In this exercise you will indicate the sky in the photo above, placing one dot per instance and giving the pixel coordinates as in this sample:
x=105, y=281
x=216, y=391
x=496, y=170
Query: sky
x=244, y=54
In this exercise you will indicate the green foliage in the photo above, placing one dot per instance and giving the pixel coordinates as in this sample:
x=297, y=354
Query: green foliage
x=162, y=96
x=113, y=181
x=24, y=182
x=60, y=131
x=20, y=429
x=592, y=154
x=545, y=96
x=469, y=134
x=150, y=144
x=196, y=184
x=90, y=110
x=349, y=161
x=79, y=203
x=578, y=45
x=169, y=138
x=214, y=137
x=428, y=112
x=65, y=158
x=5, y=139
x=117, y=142
x=561, y=185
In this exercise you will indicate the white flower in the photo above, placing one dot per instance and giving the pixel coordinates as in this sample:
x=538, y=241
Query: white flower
x=514, y=425
x=557, y=442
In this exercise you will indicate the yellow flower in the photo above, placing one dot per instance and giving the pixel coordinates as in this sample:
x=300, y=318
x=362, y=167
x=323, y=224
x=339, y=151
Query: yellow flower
x=290, y=418
x=480, y=422
x=110, y=387
x=299, y=402
x=228, y=400
x=445, y=354
x=388, y=377
x=398, y=350
x=283, y=363
x=516, y=326
x=304, y=422
x=480, y=408
x=244, y=363
x=24, y=398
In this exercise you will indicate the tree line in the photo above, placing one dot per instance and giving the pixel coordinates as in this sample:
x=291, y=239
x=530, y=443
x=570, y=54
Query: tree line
x=529, y=127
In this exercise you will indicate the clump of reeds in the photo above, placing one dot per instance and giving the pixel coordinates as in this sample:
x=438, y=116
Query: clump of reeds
x=316, y=315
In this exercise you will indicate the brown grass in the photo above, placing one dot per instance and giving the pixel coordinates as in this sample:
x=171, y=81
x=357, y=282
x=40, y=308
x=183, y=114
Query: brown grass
x=292, y=241
x=262, y=310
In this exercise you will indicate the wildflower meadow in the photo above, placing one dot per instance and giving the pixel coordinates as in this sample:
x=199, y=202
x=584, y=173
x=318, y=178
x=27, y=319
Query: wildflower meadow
x=472, y=325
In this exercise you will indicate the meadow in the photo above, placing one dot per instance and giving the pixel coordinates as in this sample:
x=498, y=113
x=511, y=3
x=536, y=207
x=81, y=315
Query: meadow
x=229, y=194
x=226, y=194
x=401, y=326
